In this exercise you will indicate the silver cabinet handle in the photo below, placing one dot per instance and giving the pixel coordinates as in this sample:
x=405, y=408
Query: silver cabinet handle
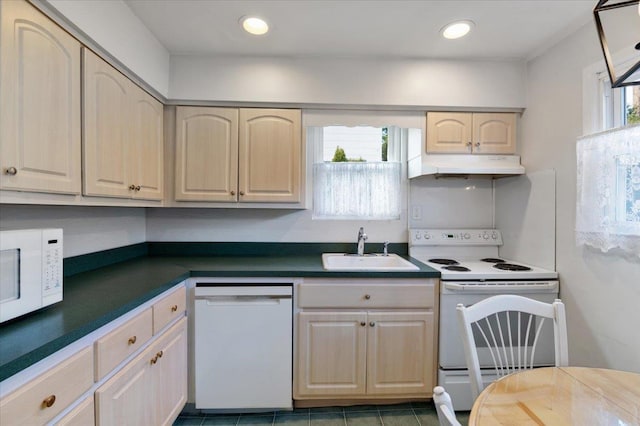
x=12, y=171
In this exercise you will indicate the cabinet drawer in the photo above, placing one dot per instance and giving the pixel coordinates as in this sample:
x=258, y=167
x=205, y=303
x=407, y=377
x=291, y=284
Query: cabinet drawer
x=46, y=396
x=113, y=348
x=82, y=415
x=366, y=294
x=169, y=308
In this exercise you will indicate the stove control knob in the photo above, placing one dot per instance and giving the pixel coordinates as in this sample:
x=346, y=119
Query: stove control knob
x=494, y=235
x=427, y=236
x=467, y=235
x=485, y=236
x=417, y=237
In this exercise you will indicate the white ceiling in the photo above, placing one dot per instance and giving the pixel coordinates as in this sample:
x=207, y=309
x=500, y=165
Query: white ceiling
x=504, y=29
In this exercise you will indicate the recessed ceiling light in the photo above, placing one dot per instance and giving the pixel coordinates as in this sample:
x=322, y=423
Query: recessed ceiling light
x=456, y=29
x=254, y=25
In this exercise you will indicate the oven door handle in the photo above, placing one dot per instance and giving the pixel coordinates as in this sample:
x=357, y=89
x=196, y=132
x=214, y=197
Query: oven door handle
x=496, y=288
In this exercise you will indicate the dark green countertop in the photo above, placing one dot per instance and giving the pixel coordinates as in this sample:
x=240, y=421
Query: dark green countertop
x=94, y=298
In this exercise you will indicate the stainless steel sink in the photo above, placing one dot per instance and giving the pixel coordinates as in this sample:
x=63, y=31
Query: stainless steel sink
x=368, y=262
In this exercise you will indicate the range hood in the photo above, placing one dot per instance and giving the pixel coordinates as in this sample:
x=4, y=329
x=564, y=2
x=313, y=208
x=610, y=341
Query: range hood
x=465, y=165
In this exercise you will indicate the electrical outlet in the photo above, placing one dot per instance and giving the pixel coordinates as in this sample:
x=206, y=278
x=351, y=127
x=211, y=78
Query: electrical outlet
x=416, y=212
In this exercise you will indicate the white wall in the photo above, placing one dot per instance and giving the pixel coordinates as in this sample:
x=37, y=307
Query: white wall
x=425, y=83
x=85, y=229
x=265, y=226
x=601, y=291
x=114, y=27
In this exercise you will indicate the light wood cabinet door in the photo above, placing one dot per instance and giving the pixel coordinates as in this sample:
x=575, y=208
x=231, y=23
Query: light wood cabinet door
x=400, y=353
x=206, y=154
x=269, y=152
x=170, y=374
x=147, y=171
x=149, y=390
x=40, y=114
x=331, y=353
x=449, y=132
x=107, y=141
x=494, y=133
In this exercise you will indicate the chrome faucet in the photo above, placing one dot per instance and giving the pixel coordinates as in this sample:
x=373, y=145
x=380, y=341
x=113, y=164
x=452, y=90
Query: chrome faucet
x=362, y=237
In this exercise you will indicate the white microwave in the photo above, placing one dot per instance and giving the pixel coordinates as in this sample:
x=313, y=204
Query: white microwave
x=30, y=270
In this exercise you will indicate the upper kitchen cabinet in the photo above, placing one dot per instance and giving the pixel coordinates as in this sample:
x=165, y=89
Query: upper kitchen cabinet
x=123, y=135
x=40, y=114
x=269, y=155
x=206, y=154
x=244, y=155
x=471, y=133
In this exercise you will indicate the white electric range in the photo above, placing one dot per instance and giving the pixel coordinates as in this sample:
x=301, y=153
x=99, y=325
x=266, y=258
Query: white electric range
x=471, y=270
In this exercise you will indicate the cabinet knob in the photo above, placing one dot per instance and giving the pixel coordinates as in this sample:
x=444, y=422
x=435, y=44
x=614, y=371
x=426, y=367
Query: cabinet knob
x=132, y=187
x=160, y=354
x=12, y=171
x=132, y=340
x=154, y=359
x=233, y=192
x=366, y=296
x=138, y=187
x=362, y=323
x=477, y=144
x=469, y=144
x=241, y=193
x=372, y=324
x=49, y=401
x=174, y=308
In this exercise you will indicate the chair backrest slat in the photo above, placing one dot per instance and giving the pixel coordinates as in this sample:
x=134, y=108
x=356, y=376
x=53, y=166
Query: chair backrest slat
x=523, y=316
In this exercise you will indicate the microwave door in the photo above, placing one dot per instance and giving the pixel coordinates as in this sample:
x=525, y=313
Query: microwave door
x=20, y=275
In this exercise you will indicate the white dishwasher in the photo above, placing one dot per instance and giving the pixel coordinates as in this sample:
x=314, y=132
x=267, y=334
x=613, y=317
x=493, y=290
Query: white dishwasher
x=243, y=346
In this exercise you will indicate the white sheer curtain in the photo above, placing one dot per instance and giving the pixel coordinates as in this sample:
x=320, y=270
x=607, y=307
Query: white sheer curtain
x=608, y=190
x=356, y=190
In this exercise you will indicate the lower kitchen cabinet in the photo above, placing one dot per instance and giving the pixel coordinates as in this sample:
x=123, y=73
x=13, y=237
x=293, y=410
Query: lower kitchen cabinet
x=380, y=343
x=332, y=353
x=82, y=415
x=399, y=353
x=133, y=371
x=46, y=396
x=151, y=389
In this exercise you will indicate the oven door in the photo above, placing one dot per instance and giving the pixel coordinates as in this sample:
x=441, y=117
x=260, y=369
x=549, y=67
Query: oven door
x=20, y=273
x=451, y=350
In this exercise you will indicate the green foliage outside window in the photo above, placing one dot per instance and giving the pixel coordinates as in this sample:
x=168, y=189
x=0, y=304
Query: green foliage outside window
x=339, y=155
x=633, y=114
x=385, y=143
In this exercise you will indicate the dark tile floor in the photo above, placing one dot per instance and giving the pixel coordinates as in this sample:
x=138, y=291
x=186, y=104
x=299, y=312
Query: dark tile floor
x=408, y=414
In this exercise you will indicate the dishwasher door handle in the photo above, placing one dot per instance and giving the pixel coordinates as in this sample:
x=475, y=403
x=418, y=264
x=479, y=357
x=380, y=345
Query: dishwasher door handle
x=242, y=300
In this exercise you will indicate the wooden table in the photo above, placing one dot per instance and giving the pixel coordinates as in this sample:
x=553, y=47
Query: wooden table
x=560, y=396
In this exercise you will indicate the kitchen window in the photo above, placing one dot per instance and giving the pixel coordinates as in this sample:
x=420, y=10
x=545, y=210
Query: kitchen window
x=372, y=183
x=356, y=172
x=608, y=170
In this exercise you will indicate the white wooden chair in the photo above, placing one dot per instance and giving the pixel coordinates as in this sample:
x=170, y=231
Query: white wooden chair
x=507, y=353
x=444, y=407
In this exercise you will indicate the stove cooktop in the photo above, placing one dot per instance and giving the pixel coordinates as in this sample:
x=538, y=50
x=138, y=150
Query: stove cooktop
x=480, y=269
x=470, y=254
